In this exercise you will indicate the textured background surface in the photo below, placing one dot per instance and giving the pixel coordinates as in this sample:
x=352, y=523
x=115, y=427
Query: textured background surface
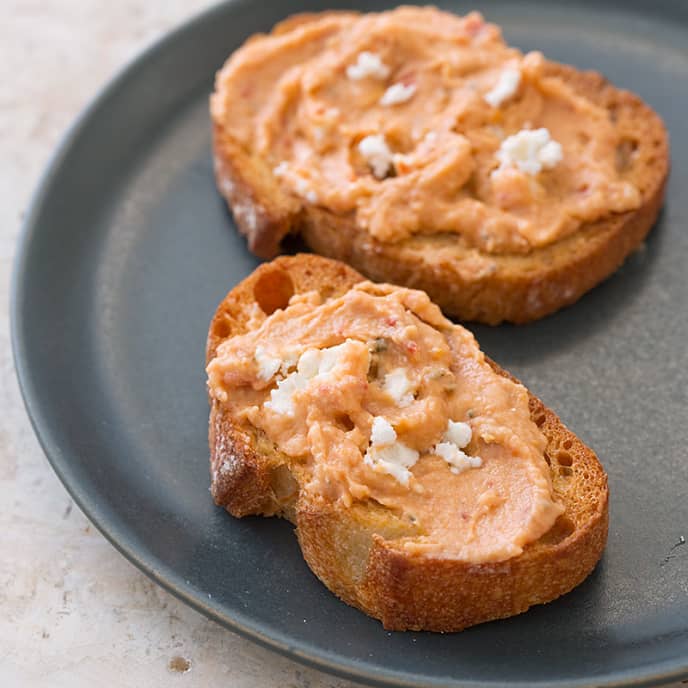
x=72, y=610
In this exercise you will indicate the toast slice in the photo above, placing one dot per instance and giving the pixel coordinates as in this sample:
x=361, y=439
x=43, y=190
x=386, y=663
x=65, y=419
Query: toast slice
x=357, y=550
x=466, y=280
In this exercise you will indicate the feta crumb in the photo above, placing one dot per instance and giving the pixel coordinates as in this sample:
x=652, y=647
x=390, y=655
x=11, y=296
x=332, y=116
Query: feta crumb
x=458, y=433
x=289, y=360
x=506, y=86
x=308, y=363
x=399, y=387
x=282, y=398
x=397, y=93
x=386, y=454
x=394, y=459
x=456, y=437
x=314, y=362
x=267, y=365
x=382, y=432
x=530, y=151
x=377, y=154
x=367, y=65
x=457, y=459
x=311, y=363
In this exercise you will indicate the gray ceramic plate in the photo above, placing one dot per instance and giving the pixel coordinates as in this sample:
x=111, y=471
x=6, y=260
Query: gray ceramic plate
x=126, y=253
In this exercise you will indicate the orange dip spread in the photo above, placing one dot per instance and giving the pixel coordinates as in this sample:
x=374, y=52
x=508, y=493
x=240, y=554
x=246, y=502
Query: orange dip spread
x=402, y=121
x=375, y=395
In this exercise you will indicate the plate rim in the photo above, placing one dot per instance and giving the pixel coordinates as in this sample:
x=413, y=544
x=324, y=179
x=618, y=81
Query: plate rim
x=120, y=538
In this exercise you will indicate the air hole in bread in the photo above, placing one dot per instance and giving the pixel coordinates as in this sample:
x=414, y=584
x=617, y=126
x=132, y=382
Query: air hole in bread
x=567, y=444
x=565, y=471
x=343, y=421
x=624, y=154
x=540, y=420
x=223, y=328
x=272, y=290
x=564, y=458
x=548, y=458
x=562, y=528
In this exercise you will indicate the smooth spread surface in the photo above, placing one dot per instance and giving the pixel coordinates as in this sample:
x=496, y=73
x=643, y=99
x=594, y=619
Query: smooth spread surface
x=401, y=118
x=314, y=377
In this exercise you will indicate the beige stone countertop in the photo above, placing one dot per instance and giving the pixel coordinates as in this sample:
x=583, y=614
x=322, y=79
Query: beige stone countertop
x=73, y=611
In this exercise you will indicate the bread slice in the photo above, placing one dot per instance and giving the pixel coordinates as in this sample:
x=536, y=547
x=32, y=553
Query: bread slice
x=352, y=550
x=518, y=287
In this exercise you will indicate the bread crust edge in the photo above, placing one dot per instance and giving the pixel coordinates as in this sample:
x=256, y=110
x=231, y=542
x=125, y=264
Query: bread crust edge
x=515, y=290
x=372, y=573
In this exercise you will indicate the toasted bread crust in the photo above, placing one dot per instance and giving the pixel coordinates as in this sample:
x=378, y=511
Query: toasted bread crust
x=352, y=550
x=521, y=288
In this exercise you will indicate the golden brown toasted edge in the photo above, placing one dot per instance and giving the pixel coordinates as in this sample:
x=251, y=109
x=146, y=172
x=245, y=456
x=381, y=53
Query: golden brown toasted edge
x=440, y=594
x=520, y=288
x=353, y=550
x=515, y=288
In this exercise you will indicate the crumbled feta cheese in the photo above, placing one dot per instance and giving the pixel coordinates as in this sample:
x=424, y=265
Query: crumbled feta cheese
x=456, y=437
x=382, y=432
x=267, y=365
x=311, y=363
x=550, y=154
x=386, y=454
x=394, y=459
x=308, y=363
x=330, y=357
x=367, y=65
x=458, y=433
x=282, y=398
x=399, y=387
x=320, y=361
x=457, y=459
x=397, y=93
x=530, y=151
x=289, y=361
x=506, y=86
x=377, y=154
